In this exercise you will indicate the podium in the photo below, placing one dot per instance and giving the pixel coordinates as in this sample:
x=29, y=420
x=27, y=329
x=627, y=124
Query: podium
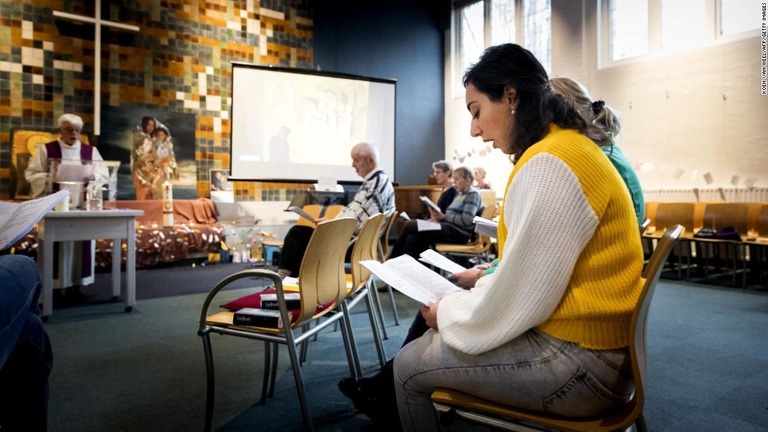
x=407, y=199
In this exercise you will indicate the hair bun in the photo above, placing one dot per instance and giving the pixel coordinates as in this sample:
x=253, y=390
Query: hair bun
x=597, y=106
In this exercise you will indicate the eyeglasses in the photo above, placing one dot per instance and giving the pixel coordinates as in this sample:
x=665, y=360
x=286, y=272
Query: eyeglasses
x=70, y=130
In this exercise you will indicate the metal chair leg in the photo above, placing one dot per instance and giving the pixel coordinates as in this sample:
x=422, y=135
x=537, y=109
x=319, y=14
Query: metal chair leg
x=210, y=389
x=300, y=389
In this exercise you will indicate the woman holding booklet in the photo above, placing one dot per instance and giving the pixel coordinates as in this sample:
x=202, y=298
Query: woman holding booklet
x=558, y=307
x=453, y=226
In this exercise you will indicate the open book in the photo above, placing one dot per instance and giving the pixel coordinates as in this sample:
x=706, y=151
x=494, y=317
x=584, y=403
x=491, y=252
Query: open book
x=17, y=219
x=299, y=211
x=486, y=227
x=411, y=278
x=430, y=204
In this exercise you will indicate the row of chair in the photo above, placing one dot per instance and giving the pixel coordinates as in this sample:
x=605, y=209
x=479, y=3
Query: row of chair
x=744, y=254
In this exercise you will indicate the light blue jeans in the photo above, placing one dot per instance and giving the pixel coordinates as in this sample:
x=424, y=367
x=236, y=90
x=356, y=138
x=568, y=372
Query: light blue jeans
x=534, y=371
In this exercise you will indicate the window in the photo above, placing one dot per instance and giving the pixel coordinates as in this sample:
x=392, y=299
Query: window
x=634, y=28
x=738, y=16
x=628, y=28
x=684, y=25
x=491, y=22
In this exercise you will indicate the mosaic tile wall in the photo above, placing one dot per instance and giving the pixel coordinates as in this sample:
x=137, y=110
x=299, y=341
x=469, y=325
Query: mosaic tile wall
x=179, y=60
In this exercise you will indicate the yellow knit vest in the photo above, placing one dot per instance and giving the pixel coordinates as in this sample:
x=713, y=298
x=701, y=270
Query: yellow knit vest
x=597, y=306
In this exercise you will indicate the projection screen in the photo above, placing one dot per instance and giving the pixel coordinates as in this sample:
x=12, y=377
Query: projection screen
x=299, y=125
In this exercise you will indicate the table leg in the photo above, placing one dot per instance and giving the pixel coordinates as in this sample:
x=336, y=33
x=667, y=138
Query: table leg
x=130, y=266
x=116, y=258
x=45, y=264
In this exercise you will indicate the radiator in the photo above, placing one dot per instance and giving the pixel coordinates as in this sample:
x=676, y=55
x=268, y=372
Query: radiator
x=707, y=195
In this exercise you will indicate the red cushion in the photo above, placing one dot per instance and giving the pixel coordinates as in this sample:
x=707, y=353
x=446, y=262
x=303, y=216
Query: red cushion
x=254, y=301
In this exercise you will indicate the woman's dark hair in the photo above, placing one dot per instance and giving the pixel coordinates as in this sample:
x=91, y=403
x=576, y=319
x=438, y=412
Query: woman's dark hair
x=537, y=107
x=145, y=122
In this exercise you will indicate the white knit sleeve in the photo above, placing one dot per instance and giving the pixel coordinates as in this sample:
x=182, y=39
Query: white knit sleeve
x=549, y=223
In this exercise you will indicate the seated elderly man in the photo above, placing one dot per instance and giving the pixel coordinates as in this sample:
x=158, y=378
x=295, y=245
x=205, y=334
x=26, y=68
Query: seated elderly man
x=376, y=195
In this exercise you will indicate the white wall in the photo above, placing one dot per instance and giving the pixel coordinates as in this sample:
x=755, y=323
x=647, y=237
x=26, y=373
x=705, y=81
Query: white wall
x=684, y=115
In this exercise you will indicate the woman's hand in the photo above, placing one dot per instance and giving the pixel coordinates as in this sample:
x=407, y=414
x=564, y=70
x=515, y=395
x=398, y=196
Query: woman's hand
x=429, y=312
x=467, y=278
x=435, y=216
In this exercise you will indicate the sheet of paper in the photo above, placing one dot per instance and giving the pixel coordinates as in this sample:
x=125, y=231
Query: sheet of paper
x=440, y=261
x=77, y=172
x=486, y=227
x=411, y=278
x=425, y=225
x=405, y=216
x=17, y=219
x=299, y=211
x=430, y=204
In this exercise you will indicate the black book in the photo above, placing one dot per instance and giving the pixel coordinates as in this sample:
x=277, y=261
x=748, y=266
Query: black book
x=292, y=301
x=258, y=318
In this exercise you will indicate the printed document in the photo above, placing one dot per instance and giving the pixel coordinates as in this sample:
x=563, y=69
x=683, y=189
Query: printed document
x=486, y=227
x=430, y=204
x=425, y=225
x=411, y=278
x=17, y=219
x=439, y=260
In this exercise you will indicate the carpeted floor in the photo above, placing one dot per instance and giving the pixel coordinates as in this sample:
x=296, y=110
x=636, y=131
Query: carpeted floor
x=144, y=370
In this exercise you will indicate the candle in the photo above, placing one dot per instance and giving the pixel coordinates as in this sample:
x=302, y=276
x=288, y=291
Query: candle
x=167, y=204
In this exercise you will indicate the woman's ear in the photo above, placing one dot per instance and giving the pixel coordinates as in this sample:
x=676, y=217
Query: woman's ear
x=510, y=95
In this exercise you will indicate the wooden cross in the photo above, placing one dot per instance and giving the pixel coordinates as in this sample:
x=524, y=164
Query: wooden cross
x=98, y=22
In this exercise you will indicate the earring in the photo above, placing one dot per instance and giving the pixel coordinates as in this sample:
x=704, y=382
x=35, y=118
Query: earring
x=512, y=111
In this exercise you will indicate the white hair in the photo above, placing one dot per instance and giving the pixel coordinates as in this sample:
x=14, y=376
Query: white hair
x=72, y=119
x=367, y=149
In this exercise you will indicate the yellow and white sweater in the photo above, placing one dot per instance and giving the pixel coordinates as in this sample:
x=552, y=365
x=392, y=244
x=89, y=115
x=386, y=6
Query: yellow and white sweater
x=571, y=257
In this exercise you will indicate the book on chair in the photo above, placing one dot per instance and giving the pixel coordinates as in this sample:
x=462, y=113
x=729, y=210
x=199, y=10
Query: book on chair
x=258, y=318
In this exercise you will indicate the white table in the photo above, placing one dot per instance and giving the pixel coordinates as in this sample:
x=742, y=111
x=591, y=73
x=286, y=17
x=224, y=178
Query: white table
x=89, y=225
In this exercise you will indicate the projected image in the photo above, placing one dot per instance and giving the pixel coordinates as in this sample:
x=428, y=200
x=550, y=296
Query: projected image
x=303, y=125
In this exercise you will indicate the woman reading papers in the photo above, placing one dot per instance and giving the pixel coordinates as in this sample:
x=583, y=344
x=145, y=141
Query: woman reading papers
x=453, y=226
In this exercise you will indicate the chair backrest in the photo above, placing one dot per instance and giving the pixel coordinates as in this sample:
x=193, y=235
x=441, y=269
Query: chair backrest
x=313, y=210
x=366, y=248
x=651, y=273
x=720, y=215
x=321, y=277
x=333, y=210
x=386, y=232
x=669, y=214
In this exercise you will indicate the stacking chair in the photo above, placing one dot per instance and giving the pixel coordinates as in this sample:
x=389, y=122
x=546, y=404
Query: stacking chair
x=452, y=404
x=670, y=214
x=360, y=285
x=383, y=251
x=322, y=286
x=479, y=246
x=715, y=253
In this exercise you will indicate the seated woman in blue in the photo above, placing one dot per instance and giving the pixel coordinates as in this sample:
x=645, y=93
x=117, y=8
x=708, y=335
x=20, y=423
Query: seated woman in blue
x=456, y=224
x=443, y=175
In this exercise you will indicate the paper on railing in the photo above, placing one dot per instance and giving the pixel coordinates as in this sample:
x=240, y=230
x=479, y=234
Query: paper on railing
x=411, y=278
x=438, y=260
x=299, y=211
x=430, y=204
x=425, y=225
x=486, y=227
x=17, y=219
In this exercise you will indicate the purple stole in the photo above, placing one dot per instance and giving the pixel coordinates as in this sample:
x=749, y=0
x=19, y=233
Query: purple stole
x=53, y=149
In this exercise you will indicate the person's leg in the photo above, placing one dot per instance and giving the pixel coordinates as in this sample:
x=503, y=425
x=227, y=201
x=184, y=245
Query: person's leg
x=409, y=229
x=25, y=364
x=533, y=371
x=423, y=240
x=26, y=372
x=294, y=246
x=375, y=396
x=20, y=291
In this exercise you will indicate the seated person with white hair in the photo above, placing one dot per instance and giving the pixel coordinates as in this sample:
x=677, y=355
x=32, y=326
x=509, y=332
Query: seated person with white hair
x=376, y=195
